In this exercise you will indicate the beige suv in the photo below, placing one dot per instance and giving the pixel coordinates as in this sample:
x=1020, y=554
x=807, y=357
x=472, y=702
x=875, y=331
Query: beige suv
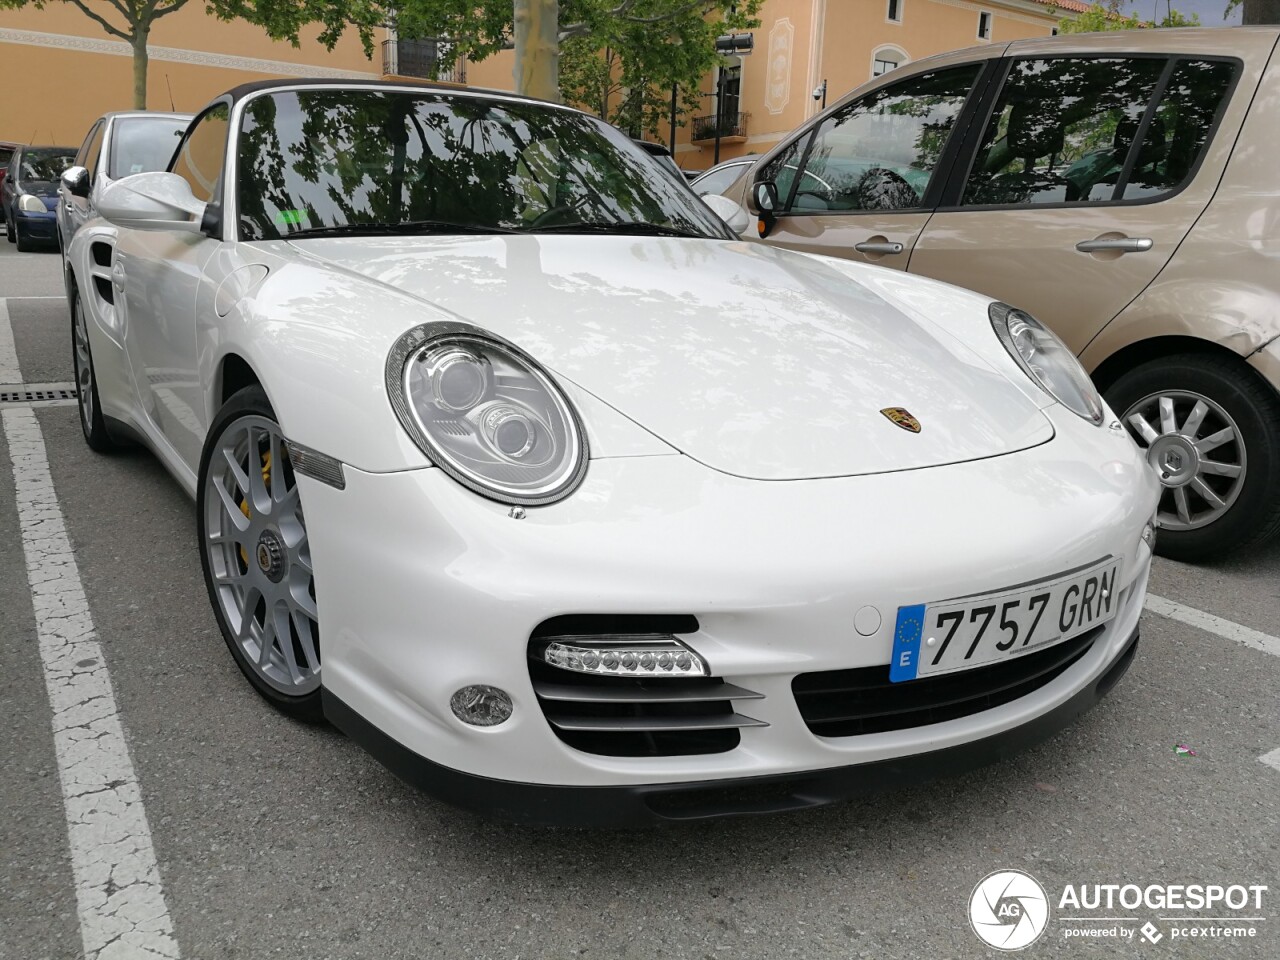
x=1123, y=187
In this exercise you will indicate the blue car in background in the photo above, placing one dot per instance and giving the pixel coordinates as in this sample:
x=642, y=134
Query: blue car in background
x=29, y=194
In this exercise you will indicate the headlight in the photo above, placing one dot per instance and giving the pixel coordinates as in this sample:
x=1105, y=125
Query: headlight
x=486, y=414
x=30, y=203
x=1046, y=360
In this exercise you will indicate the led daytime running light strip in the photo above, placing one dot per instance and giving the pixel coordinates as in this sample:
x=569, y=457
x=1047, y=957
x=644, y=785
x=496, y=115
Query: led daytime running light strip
x=646, y=655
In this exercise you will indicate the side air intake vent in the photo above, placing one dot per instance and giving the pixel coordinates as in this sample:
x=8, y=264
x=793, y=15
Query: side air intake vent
x=628, y=686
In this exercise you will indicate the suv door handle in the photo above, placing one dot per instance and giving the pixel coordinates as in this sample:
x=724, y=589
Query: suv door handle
x=871, y=246
x=1116, y=244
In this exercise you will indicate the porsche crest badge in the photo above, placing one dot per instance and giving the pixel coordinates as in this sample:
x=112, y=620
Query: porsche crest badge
x=902, y=418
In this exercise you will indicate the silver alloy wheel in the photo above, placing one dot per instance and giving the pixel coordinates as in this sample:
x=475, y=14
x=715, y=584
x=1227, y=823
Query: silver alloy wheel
x=84, y=368
x=259, y=557
x=1178, y=430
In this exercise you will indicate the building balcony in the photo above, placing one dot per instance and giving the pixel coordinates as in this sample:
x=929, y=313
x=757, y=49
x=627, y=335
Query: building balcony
x=733, y=128
x=422, y=60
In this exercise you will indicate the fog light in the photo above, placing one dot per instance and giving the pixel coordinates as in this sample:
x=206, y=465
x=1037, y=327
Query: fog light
x=641, y=655
x=481, y=705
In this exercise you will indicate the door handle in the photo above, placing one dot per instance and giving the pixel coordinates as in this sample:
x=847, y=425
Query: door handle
x=118, y=277
x=1116, y=244
x=871, y=246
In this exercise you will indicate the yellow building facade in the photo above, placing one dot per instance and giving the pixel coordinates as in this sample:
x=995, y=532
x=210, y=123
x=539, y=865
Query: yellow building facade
x=802, y=44
x=64, y=70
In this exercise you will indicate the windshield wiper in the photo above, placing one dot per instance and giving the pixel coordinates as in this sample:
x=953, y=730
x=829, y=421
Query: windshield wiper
x=401, y=227
x=639, y=229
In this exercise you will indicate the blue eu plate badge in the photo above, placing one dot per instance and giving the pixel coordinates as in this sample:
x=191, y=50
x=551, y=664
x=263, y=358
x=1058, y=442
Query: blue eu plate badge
x=906, y=643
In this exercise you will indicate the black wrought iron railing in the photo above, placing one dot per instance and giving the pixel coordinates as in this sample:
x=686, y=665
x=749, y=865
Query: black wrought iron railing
x=424, y=59
x=730, y=124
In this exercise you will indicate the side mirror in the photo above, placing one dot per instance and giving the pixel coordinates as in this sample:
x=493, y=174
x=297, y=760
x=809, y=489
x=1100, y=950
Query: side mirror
x=76, y=180
x=152, y=201
x=730, y=211
x=766, y=198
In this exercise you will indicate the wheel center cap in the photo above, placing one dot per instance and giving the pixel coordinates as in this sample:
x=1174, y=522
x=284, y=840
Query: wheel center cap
x=1175, y=460
x=270, y=555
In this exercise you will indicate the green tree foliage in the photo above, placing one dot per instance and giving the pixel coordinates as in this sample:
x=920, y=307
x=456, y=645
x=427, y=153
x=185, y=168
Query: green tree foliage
x=132, y=20
x=625, y=73
x=1099, y=17
x=620, y=58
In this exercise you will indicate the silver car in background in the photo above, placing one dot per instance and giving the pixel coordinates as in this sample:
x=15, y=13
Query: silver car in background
x=117, y=145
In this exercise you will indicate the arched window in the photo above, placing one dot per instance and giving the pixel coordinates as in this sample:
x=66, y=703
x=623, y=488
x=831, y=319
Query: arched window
x=886, y=58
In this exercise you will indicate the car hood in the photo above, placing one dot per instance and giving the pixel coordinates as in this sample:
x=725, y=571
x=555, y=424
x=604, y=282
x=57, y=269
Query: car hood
x=44, y=189
x=755, y=361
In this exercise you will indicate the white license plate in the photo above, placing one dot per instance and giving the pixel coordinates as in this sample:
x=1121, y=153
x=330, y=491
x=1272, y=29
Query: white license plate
x=952, y=635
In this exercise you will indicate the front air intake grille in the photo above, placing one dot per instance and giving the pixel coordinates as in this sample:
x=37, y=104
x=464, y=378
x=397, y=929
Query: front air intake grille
x=632, y=716
x=846, y=703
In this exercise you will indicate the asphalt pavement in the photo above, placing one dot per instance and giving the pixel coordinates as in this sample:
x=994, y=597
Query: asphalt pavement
x=276, y=839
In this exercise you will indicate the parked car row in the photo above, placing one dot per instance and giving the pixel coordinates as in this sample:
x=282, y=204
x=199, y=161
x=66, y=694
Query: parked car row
x=48, y=192
x=1121, y=187
x=512, y=460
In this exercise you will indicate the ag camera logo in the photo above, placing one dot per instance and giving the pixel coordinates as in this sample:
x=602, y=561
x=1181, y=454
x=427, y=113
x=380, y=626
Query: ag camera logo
x=1009, y=910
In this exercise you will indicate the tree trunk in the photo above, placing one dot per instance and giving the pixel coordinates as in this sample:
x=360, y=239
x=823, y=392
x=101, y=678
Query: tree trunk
x=1261, y=11
x=537, y=72
x=139, y=44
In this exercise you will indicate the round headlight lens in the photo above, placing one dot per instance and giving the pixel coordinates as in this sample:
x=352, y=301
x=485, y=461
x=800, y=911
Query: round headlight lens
x=487, y=414
x=30, y=203
x=1046, y=360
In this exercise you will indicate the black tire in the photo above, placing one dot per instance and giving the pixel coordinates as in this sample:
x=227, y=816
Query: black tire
x=1254, y=516
x=25, y=244
x=91, y=420
x=8, y=229
x=249, y=402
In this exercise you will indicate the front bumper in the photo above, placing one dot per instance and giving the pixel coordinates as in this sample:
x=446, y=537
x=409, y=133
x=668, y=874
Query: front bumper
x=37, y=226
x=424, y=588
x=637, y=805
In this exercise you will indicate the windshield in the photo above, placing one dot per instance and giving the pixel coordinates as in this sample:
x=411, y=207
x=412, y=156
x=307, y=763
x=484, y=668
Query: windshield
x=143, y=144
x=356, y=160
x=45, y=164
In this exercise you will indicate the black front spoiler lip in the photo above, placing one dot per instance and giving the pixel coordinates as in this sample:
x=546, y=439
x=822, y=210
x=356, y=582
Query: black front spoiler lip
x=643, y=804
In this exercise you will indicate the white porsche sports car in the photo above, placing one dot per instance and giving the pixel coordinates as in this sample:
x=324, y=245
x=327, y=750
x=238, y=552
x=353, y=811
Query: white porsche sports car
x=515, y=463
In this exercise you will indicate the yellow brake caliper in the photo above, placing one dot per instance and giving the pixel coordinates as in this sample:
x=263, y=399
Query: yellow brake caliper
x=244, y=504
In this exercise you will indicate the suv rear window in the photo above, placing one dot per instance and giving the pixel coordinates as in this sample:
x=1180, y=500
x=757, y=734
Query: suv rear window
x=1063, y=129
x=1180, y=127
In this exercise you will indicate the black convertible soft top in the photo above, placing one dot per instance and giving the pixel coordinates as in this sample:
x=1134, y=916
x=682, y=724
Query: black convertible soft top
x=257, y=86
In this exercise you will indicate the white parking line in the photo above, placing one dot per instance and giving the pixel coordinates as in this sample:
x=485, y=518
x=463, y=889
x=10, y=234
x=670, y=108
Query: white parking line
x=119, y=897
x=9, y=372
x=1222, y=628
x=1216, y=625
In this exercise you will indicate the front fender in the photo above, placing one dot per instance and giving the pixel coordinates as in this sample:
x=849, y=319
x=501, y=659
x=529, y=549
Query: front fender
x=89, y=257
x=318, y=339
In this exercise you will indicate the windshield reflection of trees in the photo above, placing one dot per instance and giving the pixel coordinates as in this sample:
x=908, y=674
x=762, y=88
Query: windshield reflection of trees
x=1064, y=128
x=342, y=157
x=879, y=152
